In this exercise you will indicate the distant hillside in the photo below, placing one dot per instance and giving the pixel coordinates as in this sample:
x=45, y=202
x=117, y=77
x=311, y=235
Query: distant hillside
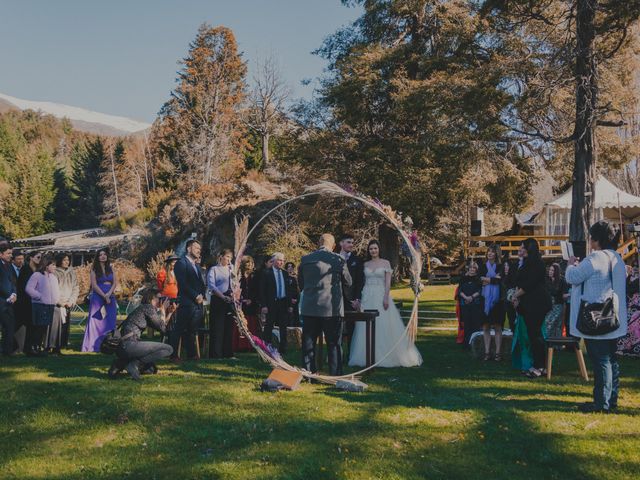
x=81, y=119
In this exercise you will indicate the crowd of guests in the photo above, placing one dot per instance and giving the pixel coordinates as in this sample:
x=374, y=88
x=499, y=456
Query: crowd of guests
x=37, y=293
x=268, y=296
x=541, y=302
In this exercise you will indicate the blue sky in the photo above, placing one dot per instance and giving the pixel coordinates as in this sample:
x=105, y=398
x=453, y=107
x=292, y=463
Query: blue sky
x=119, y=56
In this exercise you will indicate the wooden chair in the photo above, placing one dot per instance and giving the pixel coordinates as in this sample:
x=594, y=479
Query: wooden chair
x=200, y=332
x=569, y=342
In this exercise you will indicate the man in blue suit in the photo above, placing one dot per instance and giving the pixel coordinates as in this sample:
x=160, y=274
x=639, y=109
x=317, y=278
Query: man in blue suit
x=191, y=292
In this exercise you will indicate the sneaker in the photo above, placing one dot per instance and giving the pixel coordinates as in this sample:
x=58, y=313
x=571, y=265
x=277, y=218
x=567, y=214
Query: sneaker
x=132, y=369
x=149, y=369
x=534, y=373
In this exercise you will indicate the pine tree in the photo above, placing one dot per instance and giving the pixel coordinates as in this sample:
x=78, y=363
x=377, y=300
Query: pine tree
x=63, y=201
x=28, y=206
x=89, y=167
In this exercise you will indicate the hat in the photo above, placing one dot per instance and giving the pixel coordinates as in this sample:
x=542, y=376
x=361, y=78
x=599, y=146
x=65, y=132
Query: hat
x=171, y=258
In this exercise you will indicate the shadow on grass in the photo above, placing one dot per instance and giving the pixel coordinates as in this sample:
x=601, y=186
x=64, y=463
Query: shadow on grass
x=451, y=418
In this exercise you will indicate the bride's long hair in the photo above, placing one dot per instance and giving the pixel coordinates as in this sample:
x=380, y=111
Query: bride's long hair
x=373, y=241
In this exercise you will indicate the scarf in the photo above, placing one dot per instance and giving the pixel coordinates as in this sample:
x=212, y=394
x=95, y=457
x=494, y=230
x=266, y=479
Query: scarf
x=490, y=292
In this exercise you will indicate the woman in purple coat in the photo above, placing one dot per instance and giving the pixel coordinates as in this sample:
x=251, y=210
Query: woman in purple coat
x=103, y=308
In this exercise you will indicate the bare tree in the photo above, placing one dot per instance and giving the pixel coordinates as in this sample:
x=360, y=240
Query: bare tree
x=267, y=101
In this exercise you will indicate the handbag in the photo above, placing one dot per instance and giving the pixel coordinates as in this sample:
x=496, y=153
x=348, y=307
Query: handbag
x=113, y=340
x=596, y=319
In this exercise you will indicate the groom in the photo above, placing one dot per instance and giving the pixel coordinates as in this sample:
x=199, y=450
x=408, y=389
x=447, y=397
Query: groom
x=322, y=276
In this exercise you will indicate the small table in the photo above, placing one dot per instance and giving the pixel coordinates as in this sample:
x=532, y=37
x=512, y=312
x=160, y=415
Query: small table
x=369, y=317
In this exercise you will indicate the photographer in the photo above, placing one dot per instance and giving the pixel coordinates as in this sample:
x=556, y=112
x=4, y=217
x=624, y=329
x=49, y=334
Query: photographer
x=219, y=281
x=133, y=354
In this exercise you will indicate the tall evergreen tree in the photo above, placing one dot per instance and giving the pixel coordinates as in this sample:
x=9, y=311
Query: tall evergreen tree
x=89, y=195
x=28, y=206
x=63, y=201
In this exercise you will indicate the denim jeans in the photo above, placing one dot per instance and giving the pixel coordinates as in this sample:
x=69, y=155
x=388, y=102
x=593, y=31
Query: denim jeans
x=145, y=352
x=606, y=372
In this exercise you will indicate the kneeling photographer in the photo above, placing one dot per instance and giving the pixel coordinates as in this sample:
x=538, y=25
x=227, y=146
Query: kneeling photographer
x=140, y=356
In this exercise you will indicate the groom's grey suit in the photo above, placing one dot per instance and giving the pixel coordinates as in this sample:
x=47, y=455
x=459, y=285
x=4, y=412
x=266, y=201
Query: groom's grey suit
x=321, y=277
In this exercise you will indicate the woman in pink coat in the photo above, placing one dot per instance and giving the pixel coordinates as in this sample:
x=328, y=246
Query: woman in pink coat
x=44, y=291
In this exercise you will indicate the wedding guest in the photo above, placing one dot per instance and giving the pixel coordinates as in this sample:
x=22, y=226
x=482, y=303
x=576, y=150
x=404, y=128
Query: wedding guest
x=249, y=300
x=221, y=319
x=521, y=357
x=489, y=272
x=58, y=335
x=533, y=301
x=275, y=301
x=23, y=306
x=633, y=285
x=17, y=262
x=191, y=294
x=166, y=278
x=294, y=293
x=8, y=297
x=44, y=291
x=141, y=356
x=470, y=301
x=103, y=307
x=267, y=263
x=557, y=288
x=600, y=276
x=508, y=283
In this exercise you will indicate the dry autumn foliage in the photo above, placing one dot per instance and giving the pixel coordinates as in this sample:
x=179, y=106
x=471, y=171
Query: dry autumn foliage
x=130, y=278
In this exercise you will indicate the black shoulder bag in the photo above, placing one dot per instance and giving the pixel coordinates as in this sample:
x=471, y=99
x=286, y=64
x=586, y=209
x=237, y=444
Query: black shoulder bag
x=113, y=340
x=596, y=319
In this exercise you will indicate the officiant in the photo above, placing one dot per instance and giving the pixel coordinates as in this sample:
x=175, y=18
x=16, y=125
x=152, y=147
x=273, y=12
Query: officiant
x=323, y=276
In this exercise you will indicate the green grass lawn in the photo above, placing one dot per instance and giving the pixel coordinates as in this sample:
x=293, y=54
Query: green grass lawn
x=61, y=418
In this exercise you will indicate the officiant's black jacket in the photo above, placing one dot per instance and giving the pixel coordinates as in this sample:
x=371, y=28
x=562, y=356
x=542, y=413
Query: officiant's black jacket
x=268, y=290
x=190, y=281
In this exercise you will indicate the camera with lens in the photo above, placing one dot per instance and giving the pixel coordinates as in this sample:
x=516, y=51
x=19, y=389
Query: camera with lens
x=634, y=228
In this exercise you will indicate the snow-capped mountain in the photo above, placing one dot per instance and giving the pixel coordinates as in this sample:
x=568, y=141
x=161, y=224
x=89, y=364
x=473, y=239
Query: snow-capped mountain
x=81, y=119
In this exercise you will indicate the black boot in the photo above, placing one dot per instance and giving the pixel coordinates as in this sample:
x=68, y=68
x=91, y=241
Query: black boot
x=116, y=367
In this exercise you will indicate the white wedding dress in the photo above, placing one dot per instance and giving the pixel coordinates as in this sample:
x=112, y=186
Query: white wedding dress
x=389, y=327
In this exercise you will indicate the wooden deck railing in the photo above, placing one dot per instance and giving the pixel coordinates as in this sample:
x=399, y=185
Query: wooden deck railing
x=549, y=244
x=628, y=249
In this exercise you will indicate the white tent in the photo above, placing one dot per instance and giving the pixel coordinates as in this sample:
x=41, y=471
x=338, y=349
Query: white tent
x=610, y=203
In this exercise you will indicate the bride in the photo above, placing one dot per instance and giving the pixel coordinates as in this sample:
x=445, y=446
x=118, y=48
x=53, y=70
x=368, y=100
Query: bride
x=389, y=326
